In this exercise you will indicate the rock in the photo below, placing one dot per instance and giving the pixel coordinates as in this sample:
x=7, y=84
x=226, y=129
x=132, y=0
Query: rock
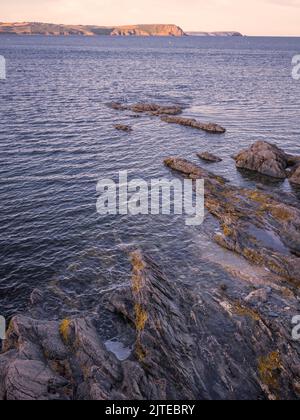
x=187, y=344
x=151, y=109
x=266, y=159
x=295, y=176
x=258, y=295
x=156, y=110
x=254, y=224
x=188, y=122
x=209, y=157
x=122, y=127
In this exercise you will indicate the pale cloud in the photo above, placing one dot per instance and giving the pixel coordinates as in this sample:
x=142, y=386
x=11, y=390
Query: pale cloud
x=253, y=17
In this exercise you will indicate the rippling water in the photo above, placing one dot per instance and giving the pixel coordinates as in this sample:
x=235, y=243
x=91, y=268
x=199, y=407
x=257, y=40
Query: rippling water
x=57, y=140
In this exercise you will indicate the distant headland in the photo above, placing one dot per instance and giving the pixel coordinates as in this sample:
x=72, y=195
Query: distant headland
x=37, y=28
x=233, y=33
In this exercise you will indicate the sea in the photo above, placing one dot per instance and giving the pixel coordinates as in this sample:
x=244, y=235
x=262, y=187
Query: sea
x=57, y=140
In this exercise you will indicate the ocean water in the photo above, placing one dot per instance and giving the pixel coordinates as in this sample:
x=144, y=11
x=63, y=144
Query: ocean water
x=57, y=140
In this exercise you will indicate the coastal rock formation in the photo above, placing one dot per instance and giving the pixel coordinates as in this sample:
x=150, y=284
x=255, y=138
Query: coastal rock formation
x=148, y=30
x=184, y=344
x=169, y=114
x=151, y=109
x=37, y=28
x=122, y=127
x=156, y=110
x=261, y=227
x=266, y=159
x=208, y=157
x=188, y=122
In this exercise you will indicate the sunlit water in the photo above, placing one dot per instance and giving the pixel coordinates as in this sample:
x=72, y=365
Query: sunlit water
x=57, y=140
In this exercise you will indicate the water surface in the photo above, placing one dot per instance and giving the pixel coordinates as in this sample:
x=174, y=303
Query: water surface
x=57, y=140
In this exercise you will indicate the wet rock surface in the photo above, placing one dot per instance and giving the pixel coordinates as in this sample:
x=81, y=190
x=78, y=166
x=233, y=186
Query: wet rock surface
x=209, y=157
x=190, y=122
x=266, y=159
x=261, y=227
x=186, y=343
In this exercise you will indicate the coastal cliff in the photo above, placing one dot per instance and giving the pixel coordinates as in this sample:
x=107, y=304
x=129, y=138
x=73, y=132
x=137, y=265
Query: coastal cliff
x=37, y=28
x=148, y=30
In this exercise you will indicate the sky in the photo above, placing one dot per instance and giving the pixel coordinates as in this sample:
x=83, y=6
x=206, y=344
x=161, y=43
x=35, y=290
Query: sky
x=251, y=17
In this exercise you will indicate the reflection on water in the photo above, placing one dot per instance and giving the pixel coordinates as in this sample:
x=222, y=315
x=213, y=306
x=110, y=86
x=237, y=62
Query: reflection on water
x=57, y=140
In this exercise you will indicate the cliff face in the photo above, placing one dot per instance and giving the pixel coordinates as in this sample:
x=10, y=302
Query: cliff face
x=36, y=28
x=148, y=30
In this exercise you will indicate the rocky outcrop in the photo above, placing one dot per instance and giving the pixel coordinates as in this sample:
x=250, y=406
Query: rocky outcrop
x=188, y=122
x=261, y=227
x=37, y=28
x=144, y=108
x=208, y=157
x=156, y=110
x=266, y=159
x=169, y=114
x=182, y=343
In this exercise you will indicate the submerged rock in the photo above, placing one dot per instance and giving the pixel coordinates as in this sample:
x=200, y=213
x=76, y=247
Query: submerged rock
x=189, y=122
x=208, y=157
x=117, y=106
x=254, y=224
x=122, y=127
x=186, y=345
x=266, y=159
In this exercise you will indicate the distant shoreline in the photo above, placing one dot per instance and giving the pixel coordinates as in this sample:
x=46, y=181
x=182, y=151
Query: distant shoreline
x=50, y=29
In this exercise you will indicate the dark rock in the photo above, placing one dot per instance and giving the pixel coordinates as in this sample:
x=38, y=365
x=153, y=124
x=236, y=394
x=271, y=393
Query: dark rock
x=208, y=157
x=188, y=122
x=266, y=159
x=122, y=127
x=187, y=345
x=255, y=224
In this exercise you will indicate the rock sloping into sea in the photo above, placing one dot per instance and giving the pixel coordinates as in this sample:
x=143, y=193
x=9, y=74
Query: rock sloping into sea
x=257, y=225
x=186, y=344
